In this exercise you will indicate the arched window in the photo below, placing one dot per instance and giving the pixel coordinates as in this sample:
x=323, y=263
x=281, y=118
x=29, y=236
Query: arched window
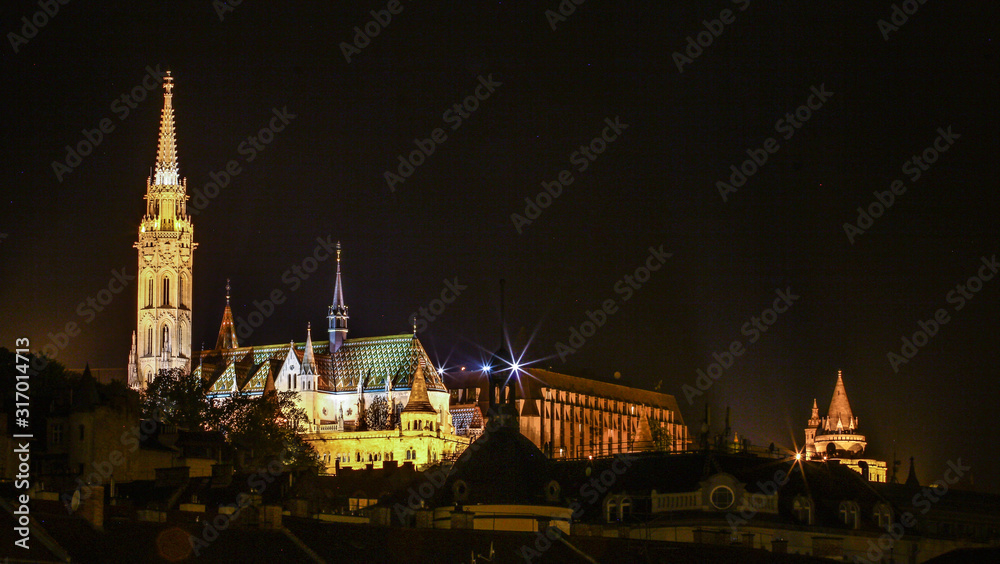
x=180, y=290
x=803, y=508
x=165, y=340
x=149, y=338
x=849, y=514
x=883, y=515
x=149, y=292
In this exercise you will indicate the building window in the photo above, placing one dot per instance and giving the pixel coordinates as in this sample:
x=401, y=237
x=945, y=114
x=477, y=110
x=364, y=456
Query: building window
x=149, y=293
x=166, y=291
x=849, y=514
x=57, y=433
x=722, y=497
x=802, y=507
x=883, y=515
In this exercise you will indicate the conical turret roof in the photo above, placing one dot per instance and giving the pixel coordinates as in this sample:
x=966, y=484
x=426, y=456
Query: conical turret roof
x=840, y=408
x=419, y=401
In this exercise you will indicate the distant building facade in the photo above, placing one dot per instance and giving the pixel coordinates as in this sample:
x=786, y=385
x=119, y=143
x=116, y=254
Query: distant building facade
x=571, y=417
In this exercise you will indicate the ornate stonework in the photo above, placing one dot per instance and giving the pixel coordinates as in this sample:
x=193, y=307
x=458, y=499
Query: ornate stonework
x=166, y=245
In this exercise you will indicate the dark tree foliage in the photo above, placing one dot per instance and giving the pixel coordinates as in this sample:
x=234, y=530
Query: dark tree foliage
x=662, y=439
x=377, y=416
x=263, y=426
x=177, y=397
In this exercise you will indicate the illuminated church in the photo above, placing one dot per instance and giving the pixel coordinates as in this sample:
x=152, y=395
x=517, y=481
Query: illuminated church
x=367, y=400
x=836, y=436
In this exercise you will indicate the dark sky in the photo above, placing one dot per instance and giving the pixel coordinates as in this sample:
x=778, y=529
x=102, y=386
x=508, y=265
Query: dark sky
x=654, y=186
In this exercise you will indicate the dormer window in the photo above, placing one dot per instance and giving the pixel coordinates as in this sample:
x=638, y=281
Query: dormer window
x=882, y=514
x=803, y=508
x=849, y=514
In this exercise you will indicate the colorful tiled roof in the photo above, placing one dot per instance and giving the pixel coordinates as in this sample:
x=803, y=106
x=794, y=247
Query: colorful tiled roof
x=369, y=359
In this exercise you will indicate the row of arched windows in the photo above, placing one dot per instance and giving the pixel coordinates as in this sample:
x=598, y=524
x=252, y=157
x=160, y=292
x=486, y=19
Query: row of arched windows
x=165, y=298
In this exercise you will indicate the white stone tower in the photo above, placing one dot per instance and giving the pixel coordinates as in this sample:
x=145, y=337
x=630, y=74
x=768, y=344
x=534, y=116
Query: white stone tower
x=166, y=245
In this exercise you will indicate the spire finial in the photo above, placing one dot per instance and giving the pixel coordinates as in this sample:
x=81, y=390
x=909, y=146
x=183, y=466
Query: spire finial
x=168, y=83
x=227, y=291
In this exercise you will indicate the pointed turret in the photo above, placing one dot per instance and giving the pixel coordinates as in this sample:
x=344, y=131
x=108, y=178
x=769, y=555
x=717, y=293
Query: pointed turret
x=227, y=331
x=133, y=366
x=840, y=417
x=911, y=479
x=643, y=433
x=419, y=401
x=308, y=358
x=337, y=315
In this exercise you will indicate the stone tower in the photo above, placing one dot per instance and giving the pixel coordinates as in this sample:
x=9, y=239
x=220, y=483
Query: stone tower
x=166, y=245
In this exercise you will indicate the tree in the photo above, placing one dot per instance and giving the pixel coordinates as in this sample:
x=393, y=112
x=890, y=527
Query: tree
x=662, y=439
x=377, y=416
x=267, y=425
x=177, y=397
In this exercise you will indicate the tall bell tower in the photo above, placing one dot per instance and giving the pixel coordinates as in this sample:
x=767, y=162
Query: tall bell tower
x=166, y=245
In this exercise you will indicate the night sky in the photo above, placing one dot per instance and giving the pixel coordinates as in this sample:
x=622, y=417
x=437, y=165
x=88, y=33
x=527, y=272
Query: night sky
x=879, y=97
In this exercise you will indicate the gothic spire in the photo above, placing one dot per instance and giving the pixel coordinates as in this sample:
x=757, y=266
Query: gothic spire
x=227, y=331
x=308, y=358
x=338, y=314
x=338, y=289
x=166, y=153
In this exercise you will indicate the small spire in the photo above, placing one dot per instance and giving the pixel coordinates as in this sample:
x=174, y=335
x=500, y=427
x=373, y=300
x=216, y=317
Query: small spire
x=227, y=331
x=338, y=290
x=911, y=479
x=308, y=357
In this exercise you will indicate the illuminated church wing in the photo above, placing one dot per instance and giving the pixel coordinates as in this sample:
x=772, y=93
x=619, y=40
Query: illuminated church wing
x=339, y=382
